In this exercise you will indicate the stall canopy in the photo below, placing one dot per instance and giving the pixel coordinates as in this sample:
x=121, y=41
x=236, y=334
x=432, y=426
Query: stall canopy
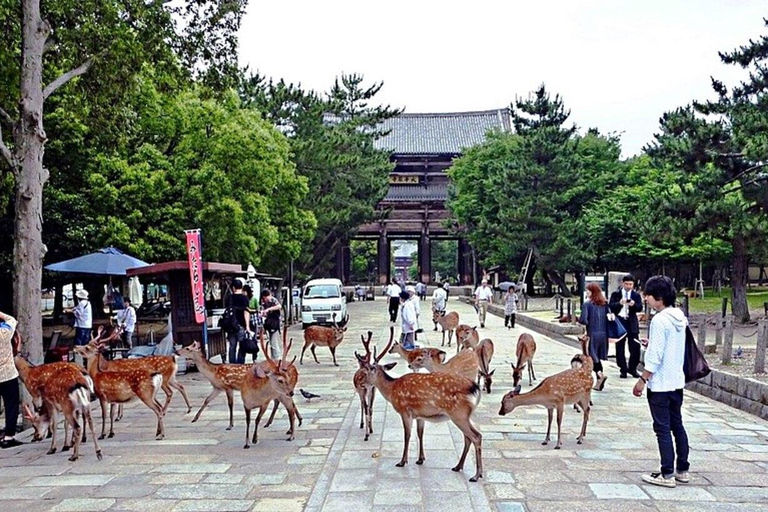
x=109, y=261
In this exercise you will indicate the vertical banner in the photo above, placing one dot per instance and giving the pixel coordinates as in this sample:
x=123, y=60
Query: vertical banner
x=196, y=274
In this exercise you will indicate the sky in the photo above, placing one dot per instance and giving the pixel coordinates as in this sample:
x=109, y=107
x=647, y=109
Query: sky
x=617, y=64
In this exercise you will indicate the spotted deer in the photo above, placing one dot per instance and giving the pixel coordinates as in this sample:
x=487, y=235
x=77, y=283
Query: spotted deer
x=429, y=397
x=465, y=364
x=409, y=355
x=261, y=386
x=449, y=322
x=526, y=349
x=365, y=390
x=484, y=354
x=293, y=378
x=571, y=386
x=466, y=337
x=321, y=336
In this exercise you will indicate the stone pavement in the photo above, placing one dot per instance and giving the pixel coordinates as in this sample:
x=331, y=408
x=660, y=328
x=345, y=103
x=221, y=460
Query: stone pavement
x=328, y=467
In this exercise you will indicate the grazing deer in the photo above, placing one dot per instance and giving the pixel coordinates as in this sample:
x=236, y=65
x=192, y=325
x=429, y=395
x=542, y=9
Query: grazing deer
x=293, y=378
x=526, y=349
x=465, y=364
x=223, y=377
x=484, y=353
x=572, y=386
x=365, y=390
x=261, y=386
x=318, y=335
x=409, y=355
x=448, y=322
x=69, y=391
x=430, y=397
x=466, y=337
x=115, y=388
x=41, y=382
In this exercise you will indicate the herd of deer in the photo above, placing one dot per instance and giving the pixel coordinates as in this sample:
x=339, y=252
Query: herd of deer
x=449, y=391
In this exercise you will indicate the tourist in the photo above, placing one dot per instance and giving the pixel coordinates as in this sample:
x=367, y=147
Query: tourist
x=626, y=303
x=83, y=318
x=416, y=306
x=238, y=301
x=663, y=374
x=408, y=321
x=447, y=288
x=510, y=307
x=483, y=297
x=594, y=315
x=393, y=292
x=9, y=381
x=126, y=319
x=270, y=312
x=439, y=300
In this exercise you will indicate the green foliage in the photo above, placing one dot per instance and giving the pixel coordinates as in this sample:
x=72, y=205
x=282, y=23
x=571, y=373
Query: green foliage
x=364, y=254
x=445, y=258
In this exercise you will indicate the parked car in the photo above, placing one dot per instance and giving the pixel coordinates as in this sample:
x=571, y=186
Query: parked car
x=320, y=299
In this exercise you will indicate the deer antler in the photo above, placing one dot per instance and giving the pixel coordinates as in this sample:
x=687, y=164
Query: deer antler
x=27, y=412
x=378, y=358
x=264, y=346
x=367, y=346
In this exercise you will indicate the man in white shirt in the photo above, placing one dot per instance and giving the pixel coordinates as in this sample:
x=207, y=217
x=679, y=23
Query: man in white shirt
x=439, y=300
x=664, y=376
x=483, y=297
x=393, y=292
x=83, y=318
x=408, y=321
x=126, y=319
x=417, y=306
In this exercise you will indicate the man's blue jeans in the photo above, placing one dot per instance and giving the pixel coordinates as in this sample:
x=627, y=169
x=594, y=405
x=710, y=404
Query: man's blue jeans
x=236, y=354
x=82, y=336
x=668, y=421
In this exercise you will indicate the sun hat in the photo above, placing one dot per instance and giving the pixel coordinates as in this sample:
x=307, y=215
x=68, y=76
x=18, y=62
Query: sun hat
x=81, y=294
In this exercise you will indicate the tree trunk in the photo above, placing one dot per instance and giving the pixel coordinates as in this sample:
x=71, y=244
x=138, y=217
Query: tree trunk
x=559, y=280
x=28, y=249
x=739, y=275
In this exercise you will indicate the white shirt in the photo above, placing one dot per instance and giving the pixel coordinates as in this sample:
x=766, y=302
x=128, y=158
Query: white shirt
x=666, y=350
x=484, y=293
x=83, y=314
x=393, y=290
x=439, y=297
x=127, y=318
x=626, y=295
x=408, y=317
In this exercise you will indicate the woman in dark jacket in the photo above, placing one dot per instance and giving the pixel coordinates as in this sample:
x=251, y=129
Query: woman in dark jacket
x=594, y=315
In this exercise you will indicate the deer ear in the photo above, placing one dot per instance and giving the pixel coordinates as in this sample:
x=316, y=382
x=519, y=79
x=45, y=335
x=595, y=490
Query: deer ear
x=517, y=389
x=389, y=366
x=259, y=372
x=442, y=355
x=492, y=372
x=474, y=328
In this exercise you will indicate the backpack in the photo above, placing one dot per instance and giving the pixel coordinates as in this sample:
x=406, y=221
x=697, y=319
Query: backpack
x=228, y=322
x=695, y=365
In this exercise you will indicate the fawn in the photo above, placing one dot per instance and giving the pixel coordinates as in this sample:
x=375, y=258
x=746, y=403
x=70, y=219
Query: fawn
x=409, y=355
x=484, y=353
x=571, y=386
x=448, y=322
x=465, y=364
x=429, y=397
x=318, y=335
x=365, y=390
x=466, y=337
x=526, y=348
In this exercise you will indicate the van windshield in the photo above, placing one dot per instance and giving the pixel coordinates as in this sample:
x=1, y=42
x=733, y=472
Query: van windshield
x=322, y=291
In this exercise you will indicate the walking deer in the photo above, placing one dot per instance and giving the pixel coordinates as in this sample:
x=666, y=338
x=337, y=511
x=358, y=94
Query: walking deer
x=572, y=386
x=321, y=336
x=429, y=397
x=261, y=386
x=409, y=355
x=365, y=390
x=449, y=322
x=466, y=337
x=465, y=364
x=293, y=378
x=116, y=388
x=484, y=353
x=526, y=349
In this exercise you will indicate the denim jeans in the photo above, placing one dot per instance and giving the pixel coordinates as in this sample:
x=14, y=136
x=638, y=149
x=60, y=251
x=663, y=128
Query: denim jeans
x=236, y=355
x=9, y=390
x=82, y=336
x=668, y=421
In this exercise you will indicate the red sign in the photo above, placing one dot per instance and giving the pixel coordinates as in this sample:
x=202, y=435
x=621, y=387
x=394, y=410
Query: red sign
x=196, y=274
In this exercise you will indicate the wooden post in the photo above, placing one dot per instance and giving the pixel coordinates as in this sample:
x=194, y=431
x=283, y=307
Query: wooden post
x=718, y=331
x=561, y=307
x=702, y=341
x=762, y=343
x=569, y=308
x=728, y=341
x=725, y=306
x=685, y=305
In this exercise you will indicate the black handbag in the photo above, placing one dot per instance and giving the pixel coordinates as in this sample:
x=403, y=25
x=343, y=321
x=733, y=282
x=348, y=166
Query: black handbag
x=248, y=342
x=695, y=365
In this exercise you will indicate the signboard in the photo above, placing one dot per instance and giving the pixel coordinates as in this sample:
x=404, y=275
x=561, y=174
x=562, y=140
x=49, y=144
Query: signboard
x=600, y=279
x=196, y=274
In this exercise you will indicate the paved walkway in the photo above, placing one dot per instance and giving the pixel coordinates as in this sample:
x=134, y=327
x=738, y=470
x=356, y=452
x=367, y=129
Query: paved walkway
x=328, y=467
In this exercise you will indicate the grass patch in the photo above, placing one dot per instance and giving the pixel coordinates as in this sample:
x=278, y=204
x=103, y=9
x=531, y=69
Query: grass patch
x=712, y=301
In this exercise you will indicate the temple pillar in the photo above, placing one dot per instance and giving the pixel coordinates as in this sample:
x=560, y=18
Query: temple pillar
x=383, y=256
x=425, y=258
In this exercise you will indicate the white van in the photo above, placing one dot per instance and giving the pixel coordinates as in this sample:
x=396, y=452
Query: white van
x=320, y=299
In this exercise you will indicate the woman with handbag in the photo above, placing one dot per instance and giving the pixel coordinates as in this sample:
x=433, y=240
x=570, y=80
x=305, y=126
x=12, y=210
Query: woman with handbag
x=594, y=316
x=270, y=312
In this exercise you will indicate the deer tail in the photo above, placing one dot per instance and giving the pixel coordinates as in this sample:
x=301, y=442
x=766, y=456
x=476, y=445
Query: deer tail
x=80, y=396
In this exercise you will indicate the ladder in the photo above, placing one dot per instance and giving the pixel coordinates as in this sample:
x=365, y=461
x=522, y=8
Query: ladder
x=524, y=271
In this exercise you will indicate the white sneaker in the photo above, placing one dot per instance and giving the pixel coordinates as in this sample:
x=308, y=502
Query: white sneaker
x=683, y=477
x=658, y=479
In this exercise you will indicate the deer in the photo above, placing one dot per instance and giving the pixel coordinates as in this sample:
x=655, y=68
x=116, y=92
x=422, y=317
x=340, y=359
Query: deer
x=448, y=322
x=466, y=337
x=69, y=391
x=428, y=397
x=526, y=349
x=571, y=386
x=409, y=355
x=321, y=336
x=261, y=386
x=293, y=378
x=365, y=390
x=115, y=388
x=465, y=364
x=484, y=354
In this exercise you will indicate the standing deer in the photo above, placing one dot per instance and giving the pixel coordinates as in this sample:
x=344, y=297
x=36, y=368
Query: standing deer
x=484, y=353
x=448, y=322
x=465, y=364
x=572, y=386
x=430, y=397
x=466, y=337
x=318, y=335
x=409, y=355
x=261, y=386
x=526, y=349
x=293, y=378
x=365, y=390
